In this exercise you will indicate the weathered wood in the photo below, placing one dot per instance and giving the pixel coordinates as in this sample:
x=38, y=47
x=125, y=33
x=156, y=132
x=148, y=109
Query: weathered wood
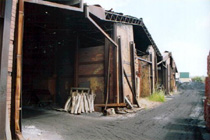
x=116, y=73
x=91, y=72
x=137, y=87
x=77, y=104
x=107, y=78
x=73, y=104
x=80, y=101
x=91, y=55
x=89, y=103
x=19, y=67
x=133, y=69
x=92, y=100
x=121, y=75
x=67, y=104
x=126, y=34
x=80, y=104
x=86, y=104
x=128, y=102
x=131, y=88
x=106, y=60
x=100, y=29
x=141, y=59
x=111, y=105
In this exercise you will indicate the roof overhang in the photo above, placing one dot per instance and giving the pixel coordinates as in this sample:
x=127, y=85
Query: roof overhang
x=137, y=22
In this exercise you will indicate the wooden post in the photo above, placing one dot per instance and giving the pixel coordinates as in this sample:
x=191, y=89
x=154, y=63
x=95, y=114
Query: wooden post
x=106, y=50
x=18, y=89
x=107, y=78
x=121, y=75
x=116, y=67
x=133, y=69
x=76, y=64
x=129, y=84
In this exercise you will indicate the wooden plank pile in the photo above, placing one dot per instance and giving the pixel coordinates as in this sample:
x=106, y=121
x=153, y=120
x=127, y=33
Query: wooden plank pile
x=81, y=100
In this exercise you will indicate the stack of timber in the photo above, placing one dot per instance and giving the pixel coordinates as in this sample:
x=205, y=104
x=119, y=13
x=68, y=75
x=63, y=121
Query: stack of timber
x=207, y=95
x=81, y=100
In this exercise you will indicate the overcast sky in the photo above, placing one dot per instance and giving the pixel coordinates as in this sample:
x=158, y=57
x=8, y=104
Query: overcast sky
x=179, y=26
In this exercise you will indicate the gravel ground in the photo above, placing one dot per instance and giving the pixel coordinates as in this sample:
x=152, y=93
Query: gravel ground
x=180, y=118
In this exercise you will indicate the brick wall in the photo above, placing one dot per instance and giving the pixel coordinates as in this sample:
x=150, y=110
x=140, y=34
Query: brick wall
x=11, y=47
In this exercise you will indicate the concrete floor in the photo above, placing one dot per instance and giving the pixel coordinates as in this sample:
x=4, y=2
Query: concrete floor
x=180, y=118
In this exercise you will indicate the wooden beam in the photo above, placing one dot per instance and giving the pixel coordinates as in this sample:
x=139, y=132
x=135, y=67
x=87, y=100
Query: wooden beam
x=121, y=75
x=91, y=62
x=108, y=77
x=98, y=27
x=18, y=90
x=111, y=105
x=126, y=77
x=91, y=75
x=116, y=69
x=133, y=68
x=141, y=59
x=106, y=50
x=128, y=102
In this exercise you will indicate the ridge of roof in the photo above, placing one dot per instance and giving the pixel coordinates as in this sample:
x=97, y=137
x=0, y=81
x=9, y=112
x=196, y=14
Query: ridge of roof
x=119, y=17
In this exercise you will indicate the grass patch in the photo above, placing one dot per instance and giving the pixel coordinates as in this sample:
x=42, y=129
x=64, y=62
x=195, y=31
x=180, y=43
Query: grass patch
x=157, y=96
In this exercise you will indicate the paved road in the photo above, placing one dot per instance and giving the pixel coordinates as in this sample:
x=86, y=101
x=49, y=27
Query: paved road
x=180, y=118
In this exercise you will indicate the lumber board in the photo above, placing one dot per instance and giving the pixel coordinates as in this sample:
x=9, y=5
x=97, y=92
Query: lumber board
x=67, y=104
x=111, y=105
x=128, y=102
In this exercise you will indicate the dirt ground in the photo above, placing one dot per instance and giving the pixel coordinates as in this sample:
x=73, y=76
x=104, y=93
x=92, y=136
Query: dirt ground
x=179, y=118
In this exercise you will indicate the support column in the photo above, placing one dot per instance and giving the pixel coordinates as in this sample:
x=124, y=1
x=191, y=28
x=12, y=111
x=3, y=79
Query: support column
x=7, y=9
x=18, y=90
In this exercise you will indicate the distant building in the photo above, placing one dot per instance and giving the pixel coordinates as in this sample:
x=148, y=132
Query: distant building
x=167, y=70
x=184, y=77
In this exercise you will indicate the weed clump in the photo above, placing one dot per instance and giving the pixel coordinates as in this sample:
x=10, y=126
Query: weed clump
x=158, y=96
